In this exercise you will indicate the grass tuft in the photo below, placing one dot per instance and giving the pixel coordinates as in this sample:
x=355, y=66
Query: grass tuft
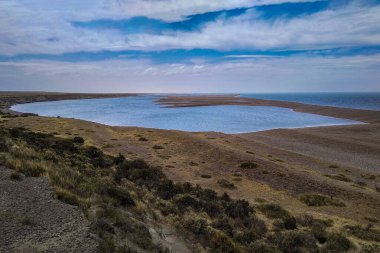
x=321, y=200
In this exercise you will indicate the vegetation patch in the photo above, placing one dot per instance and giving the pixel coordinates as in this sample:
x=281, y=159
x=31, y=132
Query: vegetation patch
x=249, y=165
x=367, y=233
x=273, y=211
x=15, y=176
x=369, y=176
x=339, y=177
x=226, y=184
x=321, y=200
x=124, y=198
x=78, y=139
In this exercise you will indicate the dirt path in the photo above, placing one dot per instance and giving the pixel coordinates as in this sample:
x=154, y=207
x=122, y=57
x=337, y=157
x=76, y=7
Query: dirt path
x=32, y=220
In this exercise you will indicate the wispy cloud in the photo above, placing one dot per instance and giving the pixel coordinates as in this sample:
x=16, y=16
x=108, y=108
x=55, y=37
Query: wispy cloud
x=237, y=43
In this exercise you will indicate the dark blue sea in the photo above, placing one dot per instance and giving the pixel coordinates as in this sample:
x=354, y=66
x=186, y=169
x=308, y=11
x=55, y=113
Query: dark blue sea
x=369, y=101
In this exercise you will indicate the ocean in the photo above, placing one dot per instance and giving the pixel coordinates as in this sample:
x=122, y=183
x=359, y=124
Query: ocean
x=369, y=101
x=141, y=111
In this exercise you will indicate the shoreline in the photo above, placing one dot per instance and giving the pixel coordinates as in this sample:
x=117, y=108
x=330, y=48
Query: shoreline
x=365, y=116
x=177, y=101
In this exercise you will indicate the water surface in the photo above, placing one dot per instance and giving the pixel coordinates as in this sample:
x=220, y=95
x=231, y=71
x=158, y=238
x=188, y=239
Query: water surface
x=141, y=111
x=356, y=100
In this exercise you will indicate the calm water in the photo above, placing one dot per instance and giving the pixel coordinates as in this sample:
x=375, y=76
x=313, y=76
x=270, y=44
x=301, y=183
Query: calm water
x=143, y=112
x=370, y=101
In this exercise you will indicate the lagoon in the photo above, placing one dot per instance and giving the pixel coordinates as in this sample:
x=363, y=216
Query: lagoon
x=142, y=111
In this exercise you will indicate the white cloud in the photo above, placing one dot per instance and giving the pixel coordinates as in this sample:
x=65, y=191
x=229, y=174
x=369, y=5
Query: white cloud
x=350, y=26
x=37, y=27
x=296, y=73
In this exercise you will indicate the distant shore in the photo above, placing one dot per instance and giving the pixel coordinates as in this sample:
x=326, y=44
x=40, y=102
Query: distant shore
x=365, y=116
x=8, y=99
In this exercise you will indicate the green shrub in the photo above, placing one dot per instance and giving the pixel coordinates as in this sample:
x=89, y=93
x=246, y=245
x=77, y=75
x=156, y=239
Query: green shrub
x=297, y=241
x=78, y=139
x=31, y=169
x=337, y=243
x=158, y=147
x=3, y=146
x=66, y=196
x=274, y=211
x=15, y=176
x=196, y=225
x=238, y=209
x=290, y=223
x=249, y=165
x=122, y=196
x=367, y=233
x=226, y=184
x=224, y=224
x=221, y=243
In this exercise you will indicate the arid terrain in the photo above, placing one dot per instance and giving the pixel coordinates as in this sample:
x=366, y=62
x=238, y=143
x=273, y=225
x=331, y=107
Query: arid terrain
x=340, y=163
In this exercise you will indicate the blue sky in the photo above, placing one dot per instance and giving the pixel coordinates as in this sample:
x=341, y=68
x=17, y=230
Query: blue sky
x=190, y=46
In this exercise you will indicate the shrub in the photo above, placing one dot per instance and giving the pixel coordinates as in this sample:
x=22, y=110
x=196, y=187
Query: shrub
x=15, y=176
x=238, y=209
x=66, y=196
x=143, y=139
x=121, y=195
x=340, y=177
x=205, y=176
x=196, y=225
x=221, y=243
x=226, y=184
x=78, y=139
x=290, y=223
x=224, y=224
x=62, y=145
x=249, y=165
x=185, y=201
x=365, y=233
x=337, y=243
x=321, y=200
x=138, y=172
x=262, y=247
x=158, y=147
x=119, y=159
x=297, y=241
x=3, y=146
x=333, y=166
x=167, y=189
x=274, y=211
x=31, y=169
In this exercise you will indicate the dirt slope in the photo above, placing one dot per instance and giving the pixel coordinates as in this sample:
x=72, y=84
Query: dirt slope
x=32, y=220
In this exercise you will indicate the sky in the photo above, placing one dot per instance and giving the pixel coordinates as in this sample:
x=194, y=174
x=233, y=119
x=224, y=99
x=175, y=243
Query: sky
x=182, y=46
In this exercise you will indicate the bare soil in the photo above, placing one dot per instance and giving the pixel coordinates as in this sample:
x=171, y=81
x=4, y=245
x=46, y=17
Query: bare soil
x=32, y=220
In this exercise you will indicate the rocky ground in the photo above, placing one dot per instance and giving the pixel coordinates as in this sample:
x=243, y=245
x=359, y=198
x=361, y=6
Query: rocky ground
x=32, y=220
